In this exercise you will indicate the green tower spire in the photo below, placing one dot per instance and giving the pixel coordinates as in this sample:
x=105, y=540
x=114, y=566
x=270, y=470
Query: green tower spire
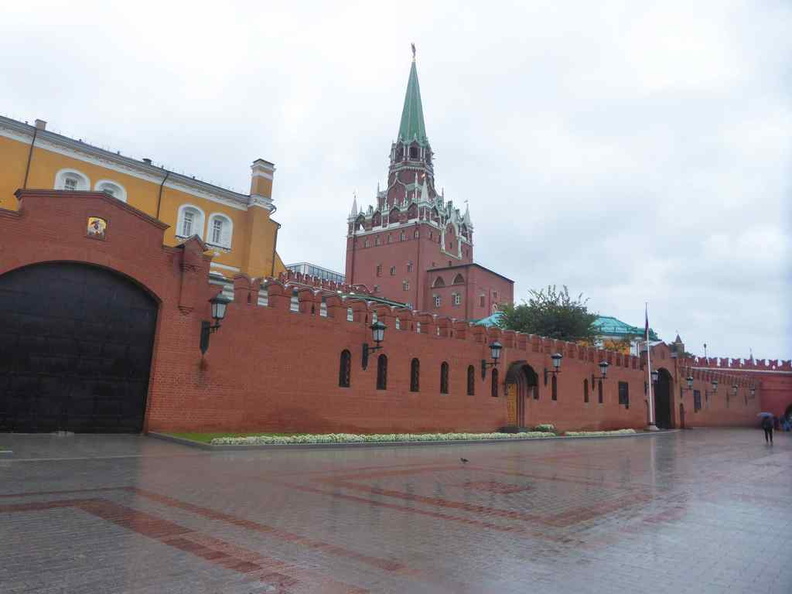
x=412, y=128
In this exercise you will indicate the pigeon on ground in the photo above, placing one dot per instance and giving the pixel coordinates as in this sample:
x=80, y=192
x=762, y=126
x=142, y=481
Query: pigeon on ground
x=465, y=460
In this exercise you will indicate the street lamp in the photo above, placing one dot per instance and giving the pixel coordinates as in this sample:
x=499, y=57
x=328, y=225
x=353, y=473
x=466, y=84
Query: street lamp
x=378, y=335
x=556, y=358
x=495, y=352
x=219, y=304
x=603, y=365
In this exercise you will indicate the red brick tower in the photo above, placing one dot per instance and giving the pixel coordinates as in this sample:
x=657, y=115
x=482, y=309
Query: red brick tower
x=405, y=245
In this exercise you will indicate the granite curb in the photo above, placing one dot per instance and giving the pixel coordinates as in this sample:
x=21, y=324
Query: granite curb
x=379, y=444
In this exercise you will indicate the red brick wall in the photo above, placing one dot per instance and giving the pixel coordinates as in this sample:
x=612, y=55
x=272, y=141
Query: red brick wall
x=269, y=368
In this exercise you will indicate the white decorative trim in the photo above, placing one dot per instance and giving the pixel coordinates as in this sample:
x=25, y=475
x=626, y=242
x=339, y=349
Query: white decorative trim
x=227, y=233
x=199, y=224
x=224, y=267
x=262, y=174
x=60, y=180
x=120, y=195
x=89, y=154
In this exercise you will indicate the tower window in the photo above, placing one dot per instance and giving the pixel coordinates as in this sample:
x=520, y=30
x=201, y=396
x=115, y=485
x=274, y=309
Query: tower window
x=417, y=234
x=365, y=243
x=436, y=300
x=393, y=271
x=457, y=299
x=382, y=372
x=344, y=369
x=482, y=299
x=413, y=152
x=415, y=375
x=401, y=236
x=444, y=378
x=406, y=285
x=389, y=237
x=379, y=269
x=409, y=266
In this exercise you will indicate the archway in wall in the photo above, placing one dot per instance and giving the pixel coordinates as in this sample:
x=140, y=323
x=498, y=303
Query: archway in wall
x=522, y=383
x=662, y=400
x=75, y=349
x=788, y=413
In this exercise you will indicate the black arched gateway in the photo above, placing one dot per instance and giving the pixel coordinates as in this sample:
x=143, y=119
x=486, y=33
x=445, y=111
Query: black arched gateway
x=75, y=350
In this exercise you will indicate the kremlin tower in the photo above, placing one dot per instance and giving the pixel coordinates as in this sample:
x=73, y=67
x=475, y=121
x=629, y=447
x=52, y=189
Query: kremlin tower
x=414, y=246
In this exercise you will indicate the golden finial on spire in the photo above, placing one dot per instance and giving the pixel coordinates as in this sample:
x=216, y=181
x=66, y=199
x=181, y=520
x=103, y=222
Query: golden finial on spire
x=413, y=50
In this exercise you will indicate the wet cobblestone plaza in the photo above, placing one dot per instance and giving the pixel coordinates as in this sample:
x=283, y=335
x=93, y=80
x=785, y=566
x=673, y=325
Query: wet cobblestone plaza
x=691, y=511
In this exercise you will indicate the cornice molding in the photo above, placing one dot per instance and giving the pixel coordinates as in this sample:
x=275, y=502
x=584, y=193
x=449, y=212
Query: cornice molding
x=81, y=151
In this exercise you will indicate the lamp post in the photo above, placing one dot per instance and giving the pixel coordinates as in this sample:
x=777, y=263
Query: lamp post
x=495, y=352
x=603, y=365
x=378, y=335
x=556, y=359
x=219, y=304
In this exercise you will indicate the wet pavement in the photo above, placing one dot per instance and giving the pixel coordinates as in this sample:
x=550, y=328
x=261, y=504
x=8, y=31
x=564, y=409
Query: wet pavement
x=692, y=511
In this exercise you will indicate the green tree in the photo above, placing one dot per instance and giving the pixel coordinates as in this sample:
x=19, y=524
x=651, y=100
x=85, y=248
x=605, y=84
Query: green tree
x=551, y=313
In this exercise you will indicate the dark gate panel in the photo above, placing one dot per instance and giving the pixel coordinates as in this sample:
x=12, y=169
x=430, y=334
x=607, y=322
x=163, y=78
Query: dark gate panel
x=662, y=394
x=75, y=350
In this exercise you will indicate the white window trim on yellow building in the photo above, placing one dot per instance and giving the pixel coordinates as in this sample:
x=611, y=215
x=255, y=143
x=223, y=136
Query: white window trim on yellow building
x=113, y=188
x=83, y=181
x=197, y=227
x=80, y=151
x=227, y=231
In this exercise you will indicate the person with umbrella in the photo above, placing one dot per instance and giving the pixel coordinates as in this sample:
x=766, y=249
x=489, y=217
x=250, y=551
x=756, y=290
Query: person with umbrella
x=767, y=425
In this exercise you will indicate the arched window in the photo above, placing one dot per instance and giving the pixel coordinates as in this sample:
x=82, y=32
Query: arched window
x=406, y=285
x=190, y=221
x=554, y=387
x=494, y=383
x=401, y=236
x=444, y=378
x=344, y=369
x=438, y=282
x=72, y=180
x=415, y=375
x=599, y=391
x=350, y=315
x=114, y=189
x=437, y=300
x=459, y=279
x=397, y=324
x=413, y=152
x=585, y=391
x=382, y=372
x=471, y=380
x=220, y=230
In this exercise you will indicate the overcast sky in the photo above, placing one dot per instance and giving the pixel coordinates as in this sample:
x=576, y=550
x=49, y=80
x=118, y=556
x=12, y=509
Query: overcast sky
x=633, y=150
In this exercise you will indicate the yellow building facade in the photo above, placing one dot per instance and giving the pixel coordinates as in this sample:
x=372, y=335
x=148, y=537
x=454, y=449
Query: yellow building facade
x=237, y=228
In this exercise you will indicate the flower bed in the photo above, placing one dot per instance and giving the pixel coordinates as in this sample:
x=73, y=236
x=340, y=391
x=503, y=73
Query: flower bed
x=379, y=438
x=599, y=433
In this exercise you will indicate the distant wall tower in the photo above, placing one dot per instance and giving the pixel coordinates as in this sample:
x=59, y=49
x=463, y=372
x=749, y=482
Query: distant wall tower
x=410, y=228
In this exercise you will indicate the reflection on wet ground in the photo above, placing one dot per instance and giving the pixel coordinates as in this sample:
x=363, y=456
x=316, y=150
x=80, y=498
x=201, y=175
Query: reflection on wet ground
x=692, y=511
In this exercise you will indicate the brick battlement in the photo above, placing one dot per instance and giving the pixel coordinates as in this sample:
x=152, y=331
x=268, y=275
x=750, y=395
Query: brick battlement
x=740, y=364
x=291, y=277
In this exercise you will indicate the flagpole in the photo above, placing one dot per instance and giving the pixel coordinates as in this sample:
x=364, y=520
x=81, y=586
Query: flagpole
x=652, y=426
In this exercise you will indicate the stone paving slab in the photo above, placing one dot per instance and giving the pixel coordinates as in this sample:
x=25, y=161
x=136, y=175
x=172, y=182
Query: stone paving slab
x=692, y=511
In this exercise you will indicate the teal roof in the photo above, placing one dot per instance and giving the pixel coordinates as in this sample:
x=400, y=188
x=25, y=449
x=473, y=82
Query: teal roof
x=604, y=325
x=489, y=320
x=412, y=128
x=610, y=326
